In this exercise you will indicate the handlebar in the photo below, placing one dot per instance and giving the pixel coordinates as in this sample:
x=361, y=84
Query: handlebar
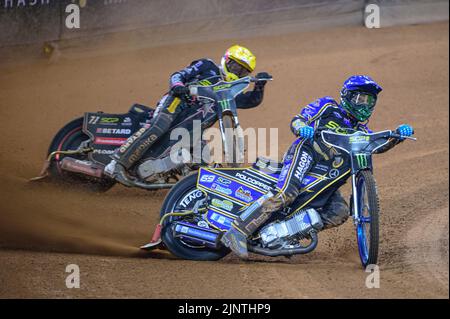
x=392, y=134
x=193, y=89
x=254, y=79
x=398, y=136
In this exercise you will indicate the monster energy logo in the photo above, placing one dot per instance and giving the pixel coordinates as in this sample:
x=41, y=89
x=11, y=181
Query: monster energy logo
x=204, y=82
x=362, y=160
x=221, y=87
x=224, y=104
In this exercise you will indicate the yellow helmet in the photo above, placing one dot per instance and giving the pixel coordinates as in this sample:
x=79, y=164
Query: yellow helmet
x=237, y=62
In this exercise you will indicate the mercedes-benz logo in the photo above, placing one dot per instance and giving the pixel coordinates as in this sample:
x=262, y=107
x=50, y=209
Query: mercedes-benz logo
x=334, y=173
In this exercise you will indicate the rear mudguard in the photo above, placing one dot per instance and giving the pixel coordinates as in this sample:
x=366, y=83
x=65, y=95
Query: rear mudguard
x=107, y=132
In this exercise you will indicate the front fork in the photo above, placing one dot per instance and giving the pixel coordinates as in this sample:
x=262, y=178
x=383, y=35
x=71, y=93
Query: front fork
x=355, y=208
x=240, y=134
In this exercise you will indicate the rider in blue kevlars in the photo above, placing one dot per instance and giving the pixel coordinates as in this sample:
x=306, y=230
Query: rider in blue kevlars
x=358, y=98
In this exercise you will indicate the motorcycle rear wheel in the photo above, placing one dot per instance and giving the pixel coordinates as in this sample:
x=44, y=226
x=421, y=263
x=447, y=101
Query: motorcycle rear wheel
x=177, y=195
x=69, y=138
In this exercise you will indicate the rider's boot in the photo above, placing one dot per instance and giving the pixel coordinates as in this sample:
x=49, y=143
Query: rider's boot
x=136, y=145
x=246, y=224
x=116, y=171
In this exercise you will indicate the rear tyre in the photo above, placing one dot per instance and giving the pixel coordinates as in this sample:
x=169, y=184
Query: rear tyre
x=367, y=230
x=177, y=195
x=69, y=138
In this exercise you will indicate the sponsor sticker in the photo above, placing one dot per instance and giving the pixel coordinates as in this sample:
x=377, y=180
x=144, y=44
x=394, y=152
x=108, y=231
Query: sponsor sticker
x=207, y=178
x=224, y=204
x=109, y=140
x=115, y=131
x=127, y=121
x=288, y=158
x=109, y=120
x=308, y=180
x=220, y=219
x=223, y=181
x=302, y=166
x=252, y=181
x=321, y=167
x=244, y=194
x=333, y=173
x=359, y=139
x=103, y=152
x=221, y=189
x=191, y=197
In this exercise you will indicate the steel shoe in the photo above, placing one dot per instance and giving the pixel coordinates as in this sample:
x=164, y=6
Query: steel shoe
x=236, y=241
x=118, y=172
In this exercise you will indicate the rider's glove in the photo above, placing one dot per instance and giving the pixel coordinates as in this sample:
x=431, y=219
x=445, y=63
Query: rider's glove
x=262, y=75
x=405, y=130
x=306, y=132
x=180, y=91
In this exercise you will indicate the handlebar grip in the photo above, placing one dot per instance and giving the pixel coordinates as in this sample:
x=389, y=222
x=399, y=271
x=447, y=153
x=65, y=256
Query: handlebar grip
x=398, y=136
x=254, y=79
x=193, y=90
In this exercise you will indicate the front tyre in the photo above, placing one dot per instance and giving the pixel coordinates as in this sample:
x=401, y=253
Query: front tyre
x=183, y=196
x=367, y=229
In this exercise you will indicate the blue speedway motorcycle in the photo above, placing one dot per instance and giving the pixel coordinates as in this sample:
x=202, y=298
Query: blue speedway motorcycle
x=201, y=207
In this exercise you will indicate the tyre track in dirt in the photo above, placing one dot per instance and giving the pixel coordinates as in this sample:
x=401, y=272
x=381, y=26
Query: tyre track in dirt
x=428, y=248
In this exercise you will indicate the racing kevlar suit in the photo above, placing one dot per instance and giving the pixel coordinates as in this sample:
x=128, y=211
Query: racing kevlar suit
x=203, y=71
x=298, y=160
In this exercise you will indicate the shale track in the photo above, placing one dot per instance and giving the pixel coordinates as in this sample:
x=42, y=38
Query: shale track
x=44, y=227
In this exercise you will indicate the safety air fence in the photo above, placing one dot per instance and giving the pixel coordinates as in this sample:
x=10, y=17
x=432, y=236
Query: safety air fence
x=39, y=21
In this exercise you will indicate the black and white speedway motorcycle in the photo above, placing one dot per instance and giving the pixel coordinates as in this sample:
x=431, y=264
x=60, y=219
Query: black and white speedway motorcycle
x=82, y=148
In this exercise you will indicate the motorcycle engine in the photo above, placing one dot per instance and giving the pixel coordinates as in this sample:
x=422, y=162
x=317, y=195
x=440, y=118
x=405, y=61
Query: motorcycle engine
x=299, y=225
x=160, y=165
x=177, y=159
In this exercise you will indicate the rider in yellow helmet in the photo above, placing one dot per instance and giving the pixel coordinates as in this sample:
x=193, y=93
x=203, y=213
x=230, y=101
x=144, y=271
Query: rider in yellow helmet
x=237, y=62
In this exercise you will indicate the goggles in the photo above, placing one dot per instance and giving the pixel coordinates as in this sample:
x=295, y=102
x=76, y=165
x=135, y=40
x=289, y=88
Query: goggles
x=237, y=69
x=362, y=100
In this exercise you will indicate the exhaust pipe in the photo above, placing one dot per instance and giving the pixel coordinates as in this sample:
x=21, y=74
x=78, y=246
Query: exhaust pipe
x=196, y=234
x=84, y=167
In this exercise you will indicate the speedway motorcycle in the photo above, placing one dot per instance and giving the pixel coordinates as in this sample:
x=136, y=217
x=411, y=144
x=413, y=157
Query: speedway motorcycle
x=82, y=148
x=201, y=207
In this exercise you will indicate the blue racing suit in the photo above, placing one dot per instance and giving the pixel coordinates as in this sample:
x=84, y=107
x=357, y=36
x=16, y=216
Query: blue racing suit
x=305, y=153
x=302, y=155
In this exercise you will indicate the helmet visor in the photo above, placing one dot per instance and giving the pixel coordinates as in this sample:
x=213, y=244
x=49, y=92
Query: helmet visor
x=362, y=100
x=237, y=69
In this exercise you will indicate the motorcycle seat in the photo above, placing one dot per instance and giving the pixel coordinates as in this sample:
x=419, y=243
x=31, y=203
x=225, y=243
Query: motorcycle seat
x=267, y=165
x=138, y=109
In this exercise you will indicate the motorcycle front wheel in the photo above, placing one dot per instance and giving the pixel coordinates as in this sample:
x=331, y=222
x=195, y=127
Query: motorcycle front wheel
x=367, y=228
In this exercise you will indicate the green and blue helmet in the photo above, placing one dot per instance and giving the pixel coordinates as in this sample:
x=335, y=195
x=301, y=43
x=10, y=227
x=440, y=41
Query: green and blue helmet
x=359, y=96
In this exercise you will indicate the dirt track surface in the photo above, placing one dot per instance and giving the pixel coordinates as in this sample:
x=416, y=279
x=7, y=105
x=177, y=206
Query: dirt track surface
x=43, y=227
